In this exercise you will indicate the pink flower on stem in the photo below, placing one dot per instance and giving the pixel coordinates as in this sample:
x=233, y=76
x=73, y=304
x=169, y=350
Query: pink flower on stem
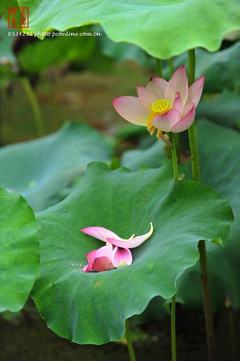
x=161, y=105
x=115, y=253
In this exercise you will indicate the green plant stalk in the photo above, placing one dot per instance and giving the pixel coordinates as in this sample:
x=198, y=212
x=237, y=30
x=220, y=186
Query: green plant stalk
x=192, y=131
x=174, y=141
x=131, y=352
x=192, y=135
x=34, y=105
x=178, y=145
x=174, y=156
x=173, y=330
x=207, y=300
x=173, y=303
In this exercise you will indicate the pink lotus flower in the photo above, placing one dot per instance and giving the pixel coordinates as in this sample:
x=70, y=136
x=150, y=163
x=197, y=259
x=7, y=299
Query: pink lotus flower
x=163, y=106
x=106, y=258
x=115, y=253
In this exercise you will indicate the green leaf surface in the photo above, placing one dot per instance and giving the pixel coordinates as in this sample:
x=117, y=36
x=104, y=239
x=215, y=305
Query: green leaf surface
x=123, y=51
x=221, y=69
x=92, y=307
x=42, y=169
x=220, y=168
x=152, y=157
x=221, y=108
x=19, y=251
x=164, y=28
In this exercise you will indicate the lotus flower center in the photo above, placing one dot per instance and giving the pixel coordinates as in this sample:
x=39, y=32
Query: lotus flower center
x=161, y=106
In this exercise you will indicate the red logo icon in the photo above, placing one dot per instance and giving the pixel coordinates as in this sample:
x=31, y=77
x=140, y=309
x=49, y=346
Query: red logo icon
x=18, y=17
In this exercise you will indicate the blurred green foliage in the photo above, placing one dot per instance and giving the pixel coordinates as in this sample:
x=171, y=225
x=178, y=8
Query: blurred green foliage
x=45, y=170
x=39, y=55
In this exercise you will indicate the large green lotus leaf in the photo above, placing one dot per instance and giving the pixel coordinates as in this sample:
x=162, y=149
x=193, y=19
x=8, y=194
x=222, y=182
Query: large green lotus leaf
x=164, y=28
x=41, y=169
x=124, y=51
x=219, y=154
x=220, y=166
x=19, y=251
x=152, y=157
x=92, y=307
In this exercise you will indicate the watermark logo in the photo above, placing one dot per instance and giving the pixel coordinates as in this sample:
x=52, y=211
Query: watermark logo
x=18, y=17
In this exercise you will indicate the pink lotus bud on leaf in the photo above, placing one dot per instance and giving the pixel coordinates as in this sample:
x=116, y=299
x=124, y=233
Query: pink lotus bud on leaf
x=115, y=253
x=106, y=258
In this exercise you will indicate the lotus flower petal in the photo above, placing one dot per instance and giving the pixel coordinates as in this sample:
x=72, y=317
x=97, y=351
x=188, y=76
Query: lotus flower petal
x=108, y=236
x=179, y=83
x=105, y=251
x=131, y=109
x=185, y=122
x=133, y=241
x=166, y=121
x=158, y=87
x=87, y=268
x=100, y=259
x=103, y=264
x=99, y=232
x=91, y=256
x=122, y=257
x=107, y=258
x=146, y=97
x=195, y=91
x=178, y=104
